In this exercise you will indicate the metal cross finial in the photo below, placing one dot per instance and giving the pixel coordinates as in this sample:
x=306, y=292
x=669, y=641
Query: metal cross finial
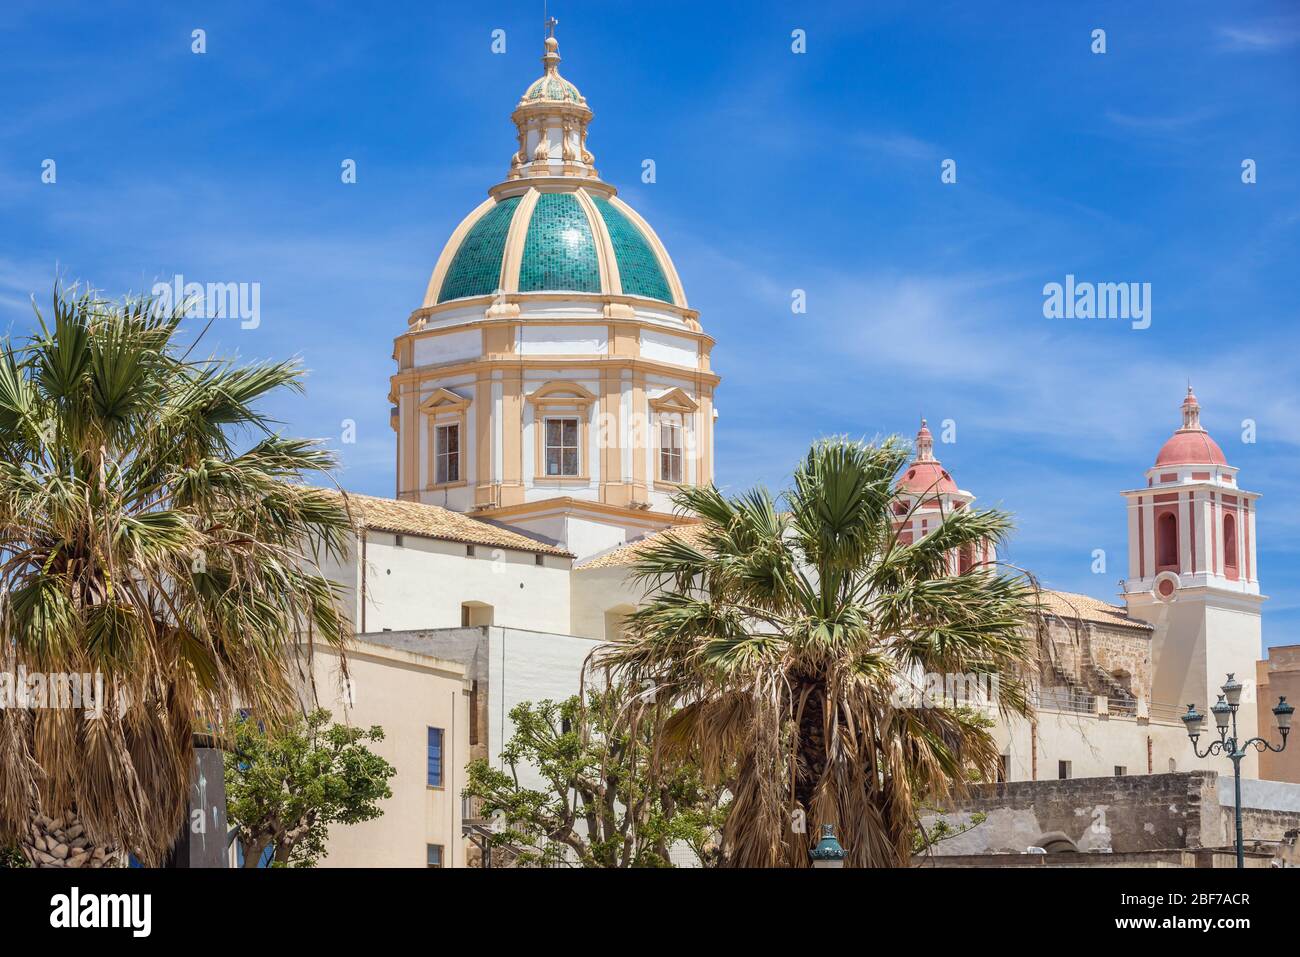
x=551, y=24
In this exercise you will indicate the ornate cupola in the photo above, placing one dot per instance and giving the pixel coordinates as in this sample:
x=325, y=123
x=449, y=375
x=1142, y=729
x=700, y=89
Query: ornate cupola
x=926, y=492
x=554, y=379
x=551, y=123
x=1190, y=445
x=926, y=475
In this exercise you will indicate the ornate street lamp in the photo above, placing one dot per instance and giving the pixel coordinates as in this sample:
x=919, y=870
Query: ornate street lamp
x=1225, y=715
x=828, y=852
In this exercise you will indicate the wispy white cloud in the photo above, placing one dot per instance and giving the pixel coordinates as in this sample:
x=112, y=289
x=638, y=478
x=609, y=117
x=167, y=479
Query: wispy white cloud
x=1261, y=37
x=894, y=144
x=1159, y=125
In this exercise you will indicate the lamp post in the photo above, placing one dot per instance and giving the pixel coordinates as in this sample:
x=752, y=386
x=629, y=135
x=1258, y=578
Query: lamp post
x=828, y=852
x=1225, y=715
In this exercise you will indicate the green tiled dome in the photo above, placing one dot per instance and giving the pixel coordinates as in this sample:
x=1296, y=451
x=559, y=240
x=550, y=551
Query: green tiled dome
x=638, y=268
x=564, y=249
x=559, y=249
x=476, y=268
x=553, y=87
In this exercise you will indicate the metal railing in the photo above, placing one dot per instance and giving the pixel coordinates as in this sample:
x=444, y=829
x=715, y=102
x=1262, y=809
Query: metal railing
x=471, y=808
x=1063, y=698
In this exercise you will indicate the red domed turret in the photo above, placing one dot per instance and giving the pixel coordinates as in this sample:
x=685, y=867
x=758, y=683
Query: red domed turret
x=1191, y=445
x=926, y=474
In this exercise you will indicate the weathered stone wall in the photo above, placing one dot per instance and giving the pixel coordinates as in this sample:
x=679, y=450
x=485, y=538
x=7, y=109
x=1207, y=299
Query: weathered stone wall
x=1126, y=651
x=1270, y=812
x=1123, y=653
x=1190, y=811
x=1130, y=813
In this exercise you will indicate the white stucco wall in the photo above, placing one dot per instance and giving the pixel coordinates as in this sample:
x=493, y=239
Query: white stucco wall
x=423, y=582
x=1198, y=640
x=450, y=347
x=1095, y=746
x=529, y=666
x=563, y=340
x=597, y=591
x=666, y=347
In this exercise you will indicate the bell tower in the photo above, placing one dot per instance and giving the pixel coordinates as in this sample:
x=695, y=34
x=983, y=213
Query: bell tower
x=1193, y=572
x=926, y=493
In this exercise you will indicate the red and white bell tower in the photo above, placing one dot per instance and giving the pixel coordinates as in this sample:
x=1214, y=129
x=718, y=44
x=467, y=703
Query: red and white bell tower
x=1193, y=572
x=926, y=492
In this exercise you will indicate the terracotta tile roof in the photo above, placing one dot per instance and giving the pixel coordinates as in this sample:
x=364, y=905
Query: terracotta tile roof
x=433, y=521
x=1070, y=605
x=628, y=554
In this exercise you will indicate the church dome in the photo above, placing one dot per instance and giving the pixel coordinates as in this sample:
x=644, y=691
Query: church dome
x=574, y=240
x=923, y=478
x=1191, y=445
x=926, y=475
x=1191, y=448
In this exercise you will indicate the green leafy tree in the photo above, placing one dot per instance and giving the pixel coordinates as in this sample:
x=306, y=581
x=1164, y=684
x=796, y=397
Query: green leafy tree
x=941, y=829
x=287, y=784
x=608, y=798
x=783, y=636
x=153, y=531
x=12, y=857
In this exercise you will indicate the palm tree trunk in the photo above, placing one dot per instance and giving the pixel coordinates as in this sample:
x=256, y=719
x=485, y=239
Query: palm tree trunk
x=64, y=843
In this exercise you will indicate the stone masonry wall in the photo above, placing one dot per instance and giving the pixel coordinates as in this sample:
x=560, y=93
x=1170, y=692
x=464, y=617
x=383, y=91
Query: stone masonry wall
x=1120, y=814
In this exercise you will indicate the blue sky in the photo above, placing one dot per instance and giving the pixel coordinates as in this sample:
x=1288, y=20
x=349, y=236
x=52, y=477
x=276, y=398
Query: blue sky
x=775, y=172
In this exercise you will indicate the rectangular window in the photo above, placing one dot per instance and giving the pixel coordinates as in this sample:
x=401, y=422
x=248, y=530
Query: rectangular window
x=1120, y=770
x=448, y=453
x=1063, y=770
x=433, y=852
x=670, y=452
x=562, y=447
x=435, y=757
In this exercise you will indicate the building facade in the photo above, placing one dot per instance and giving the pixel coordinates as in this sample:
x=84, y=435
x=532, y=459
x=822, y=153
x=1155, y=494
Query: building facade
x=423, y=705
x=554, y=388
x=1278, y=676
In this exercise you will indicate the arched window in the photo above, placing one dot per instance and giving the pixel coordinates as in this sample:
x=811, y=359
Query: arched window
x=965, y=559
x=616, y=622
x=1167, y=541
x=1230, y=546
x=475, y=614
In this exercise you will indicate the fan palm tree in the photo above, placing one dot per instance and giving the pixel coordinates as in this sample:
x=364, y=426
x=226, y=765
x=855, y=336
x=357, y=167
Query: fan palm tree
x=152, y=532
x=786, y=637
